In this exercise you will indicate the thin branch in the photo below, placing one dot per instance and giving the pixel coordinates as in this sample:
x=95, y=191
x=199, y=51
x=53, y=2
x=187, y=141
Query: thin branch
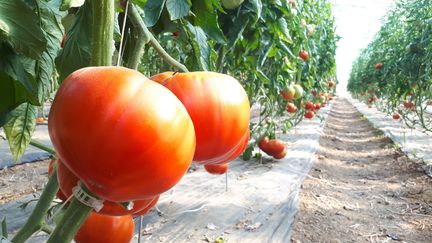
x=147, y=37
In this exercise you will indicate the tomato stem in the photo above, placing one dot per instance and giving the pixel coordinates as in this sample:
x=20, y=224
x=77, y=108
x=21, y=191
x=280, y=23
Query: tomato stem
x=102, y=32
x=221, y=56
x=141, y=37
x=73, y=218
x=43, y=147
x=138, y=23
x=36, y=221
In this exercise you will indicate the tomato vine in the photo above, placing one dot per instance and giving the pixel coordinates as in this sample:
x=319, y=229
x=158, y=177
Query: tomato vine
x=393, y=72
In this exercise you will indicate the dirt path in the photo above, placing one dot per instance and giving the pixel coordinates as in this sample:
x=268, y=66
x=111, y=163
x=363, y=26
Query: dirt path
x=362, y=188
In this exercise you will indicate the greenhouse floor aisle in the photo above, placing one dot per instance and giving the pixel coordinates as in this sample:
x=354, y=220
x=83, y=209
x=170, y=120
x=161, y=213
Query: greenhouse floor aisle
x=362, y=188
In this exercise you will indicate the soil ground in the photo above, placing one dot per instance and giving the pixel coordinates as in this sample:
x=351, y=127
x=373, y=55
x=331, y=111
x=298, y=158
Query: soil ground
x=21, y=180
x=362, y=188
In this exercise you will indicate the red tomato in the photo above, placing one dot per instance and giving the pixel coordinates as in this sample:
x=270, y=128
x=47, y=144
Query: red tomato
x=216, y=169
x=309, y=114
x=263, y=144
x=309, y=105
x=134, y=139
x=288, y=93
x=176, y=33
x=161, y=77
x=275, y=146
x=60, y=195
x=317, y=106
x=378, y=65
x=304, y=55
x=281, y=154
x=148, y=208
x=99, y=228
x=291, y=108
x=40, y=119
x=220, y=111
x=396, y=116
x=408, y=104
x=67, y=180
x=331, y=83
x=271, y=147
x=313, y=92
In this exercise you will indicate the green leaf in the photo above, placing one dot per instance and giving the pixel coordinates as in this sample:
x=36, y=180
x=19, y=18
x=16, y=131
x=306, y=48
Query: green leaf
x=282, y=27
x=152, y=11
x=200, y=46
x=45, y=69
x=19, y=128
x=218, y=5
x=207, y=19
x=178, y=8
x=236, y=31
x=140, y=3
x=247, y=154
x=4, y=233
x=256, y=7
x=19, y=25
x=77, y=50
x=11, y=64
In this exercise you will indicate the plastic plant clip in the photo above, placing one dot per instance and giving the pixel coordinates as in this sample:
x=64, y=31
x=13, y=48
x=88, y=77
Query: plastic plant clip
x=87, y=199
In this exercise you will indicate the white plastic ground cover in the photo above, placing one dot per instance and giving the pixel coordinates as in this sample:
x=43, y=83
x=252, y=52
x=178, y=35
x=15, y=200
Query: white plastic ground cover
x=415, y=144
x=259, y=206
x=31, y=154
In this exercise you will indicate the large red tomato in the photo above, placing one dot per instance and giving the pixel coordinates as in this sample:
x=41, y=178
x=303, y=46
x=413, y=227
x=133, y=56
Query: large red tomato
x=133, y=140
x=67, y=180
x=219, y=108
x=99, y=228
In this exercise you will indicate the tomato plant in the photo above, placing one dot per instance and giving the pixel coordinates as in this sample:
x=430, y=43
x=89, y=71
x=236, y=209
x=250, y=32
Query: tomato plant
x=99, y=228
x=400, y=52
x=134, y=139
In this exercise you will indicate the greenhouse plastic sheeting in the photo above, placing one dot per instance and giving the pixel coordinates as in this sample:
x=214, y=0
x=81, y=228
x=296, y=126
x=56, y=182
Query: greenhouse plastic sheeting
x=259, y=206
x=414, y=143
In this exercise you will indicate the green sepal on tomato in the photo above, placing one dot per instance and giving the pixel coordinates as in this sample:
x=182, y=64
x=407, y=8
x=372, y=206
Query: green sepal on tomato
x=134, y=139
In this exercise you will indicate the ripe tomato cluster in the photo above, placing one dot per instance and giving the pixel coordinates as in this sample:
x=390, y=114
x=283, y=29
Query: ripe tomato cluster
x=137, y=137
x=273, y=147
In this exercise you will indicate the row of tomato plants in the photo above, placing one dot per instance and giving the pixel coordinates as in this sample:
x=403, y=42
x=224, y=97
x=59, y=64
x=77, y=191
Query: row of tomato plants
x=394, y=71
x=135, y=138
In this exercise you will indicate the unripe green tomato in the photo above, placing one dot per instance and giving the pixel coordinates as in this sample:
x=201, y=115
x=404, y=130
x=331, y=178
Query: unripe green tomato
x=298, y=91
x=231, y=4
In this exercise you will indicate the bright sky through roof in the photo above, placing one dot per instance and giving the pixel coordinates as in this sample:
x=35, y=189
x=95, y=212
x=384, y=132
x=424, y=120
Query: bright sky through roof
x=357, y=21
